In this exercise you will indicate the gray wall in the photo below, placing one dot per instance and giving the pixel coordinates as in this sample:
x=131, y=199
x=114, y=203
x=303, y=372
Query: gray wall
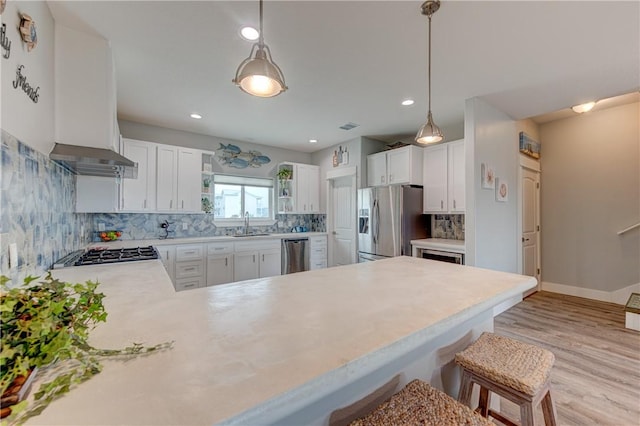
x=144, y=132
x=590, y=190
x=490, y=226
x=358, y=149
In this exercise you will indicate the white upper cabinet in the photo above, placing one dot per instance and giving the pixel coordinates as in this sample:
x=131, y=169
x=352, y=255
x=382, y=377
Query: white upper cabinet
x=456, y=176
x=167, y=177
x=189, y=165
x=85, y=91
x=377, y=169
x=178, y=179
x=396, y=166
x=308, y=184
x=301, y=192
x=444, y=175
x=140, y=194
x=435, y=179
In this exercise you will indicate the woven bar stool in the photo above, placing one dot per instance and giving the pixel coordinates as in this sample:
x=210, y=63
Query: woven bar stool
x=420, y=404
x=514, y=370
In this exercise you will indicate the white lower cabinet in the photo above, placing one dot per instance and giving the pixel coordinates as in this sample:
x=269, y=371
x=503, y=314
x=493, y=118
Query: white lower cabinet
x=219, y=263
x=167, y=256
x=318, y=252
x=189, y=267
x=256, y=259
x=199, y=265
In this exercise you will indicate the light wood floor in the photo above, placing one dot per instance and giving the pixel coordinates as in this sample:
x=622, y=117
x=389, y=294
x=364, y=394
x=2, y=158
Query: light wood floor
x=596, y=377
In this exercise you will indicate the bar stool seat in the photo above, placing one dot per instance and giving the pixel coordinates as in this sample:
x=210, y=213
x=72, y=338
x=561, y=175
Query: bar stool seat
x=514, y=370
x=420, y=404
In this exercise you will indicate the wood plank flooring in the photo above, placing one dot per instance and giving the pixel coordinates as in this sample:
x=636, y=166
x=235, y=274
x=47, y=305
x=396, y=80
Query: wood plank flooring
x=596, y=377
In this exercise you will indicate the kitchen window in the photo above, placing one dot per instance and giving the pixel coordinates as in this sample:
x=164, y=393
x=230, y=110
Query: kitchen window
x=235, y=195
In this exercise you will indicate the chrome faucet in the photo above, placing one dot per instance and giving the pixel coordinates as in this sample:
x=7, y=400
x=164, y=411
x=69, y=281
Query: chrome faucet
x=246, y=223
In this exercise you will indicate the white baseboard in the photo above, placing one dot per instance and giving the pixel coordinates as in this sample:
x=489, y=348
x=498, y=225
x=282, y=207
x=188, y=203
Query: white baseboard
x=619, y=297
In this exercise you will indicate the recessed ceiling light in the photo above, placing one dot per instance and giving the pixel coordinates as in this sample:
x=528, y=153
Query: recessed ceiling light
x=249, y=33
x=583, y=107
x=313, y=140
x=407, y=102
x=196, y=116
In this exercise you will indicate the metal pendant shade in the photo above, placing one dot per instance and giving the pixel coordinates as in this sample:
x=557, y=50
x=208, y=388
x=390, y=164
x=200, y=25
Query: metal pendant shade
x=429, y=132
x=258, y=75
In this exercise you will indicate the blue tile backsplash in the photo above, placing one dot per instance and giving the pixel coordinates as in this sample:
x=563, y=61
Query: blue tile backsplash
x=140, y=226
x=37, y=202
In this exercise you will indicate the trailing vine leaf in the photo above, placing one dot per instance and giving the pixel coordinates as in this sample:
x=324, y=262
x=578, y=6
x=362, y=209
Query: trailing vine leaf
x=46, y=325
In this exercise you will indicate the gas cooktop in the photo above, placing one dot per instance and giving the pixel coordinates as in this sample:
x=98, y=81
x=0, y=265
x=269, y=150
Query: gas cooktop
x=105, y=256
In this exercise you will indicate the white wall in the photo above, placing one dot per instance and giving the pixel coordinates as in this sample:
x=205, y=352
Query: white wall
x=590, y=190
x=144, y=132
x=490, y=226
x=32, y=123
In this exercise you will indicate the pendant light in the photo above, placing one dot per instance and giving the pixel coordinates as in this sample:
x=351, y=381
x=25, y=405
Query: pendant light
x=258, y=75
x=429, y=133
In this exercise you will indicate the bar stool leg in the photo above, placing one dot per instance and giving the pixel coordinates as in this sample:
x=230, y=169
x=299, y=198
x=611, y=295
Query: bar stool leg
x=526, y=414
x=549, y=410
x=485, y=401
x=466, y=387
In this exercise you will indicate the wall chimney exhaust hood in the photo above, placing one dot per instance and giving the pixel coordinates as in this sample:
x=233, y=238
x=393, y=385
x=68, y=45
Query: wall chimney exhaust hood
x=84, y=160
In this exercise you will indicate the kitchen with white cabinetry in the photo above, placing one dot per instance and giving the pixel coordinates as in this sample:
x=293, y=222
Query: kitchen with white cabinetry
x=395, y=166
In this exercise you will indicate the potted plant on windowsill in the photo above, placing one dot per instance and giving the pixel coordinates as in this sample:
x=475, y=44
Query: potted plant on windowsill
x=45, y=325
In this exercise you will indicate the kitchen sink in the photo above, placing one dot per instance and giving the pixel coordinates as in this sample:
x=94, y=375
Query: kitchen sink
x=252, y=235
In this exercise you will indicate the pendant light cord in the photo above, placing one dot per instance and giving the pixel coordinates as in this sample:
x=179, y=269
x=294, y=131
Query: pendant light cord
x=429, y=65
x=261, y=41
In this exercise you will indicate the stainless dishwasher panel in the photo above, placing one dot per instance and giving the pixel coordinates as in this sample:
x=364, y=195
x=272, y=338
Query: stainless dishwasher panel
x=295, y=255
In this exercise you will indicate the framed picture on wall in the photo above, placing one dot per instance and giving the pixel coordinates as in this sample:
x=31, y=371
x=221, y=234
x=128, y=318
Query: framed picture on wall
x=488, y=176
x=502, y=191
x=529, y=146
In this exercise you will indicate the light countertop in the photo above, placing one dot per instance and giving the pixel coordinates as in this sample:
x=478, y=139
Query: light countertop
x=243, y=349
x=196, y=240
x=440, y=244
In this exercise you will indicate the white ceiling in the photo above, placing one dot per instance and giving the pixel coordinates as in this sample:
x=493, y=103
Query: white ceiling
x=355, y=61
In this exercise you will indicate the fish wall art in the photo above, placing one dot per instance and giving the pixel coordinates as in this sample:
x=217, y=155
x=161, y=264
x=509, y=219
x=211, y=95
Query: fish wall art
x=232, y=156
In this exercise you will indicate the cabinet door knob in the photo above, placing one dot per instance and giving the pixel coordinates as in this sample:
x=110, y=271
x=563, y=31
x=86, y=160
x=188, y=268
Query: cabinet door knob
x=441, y=204
x=454, y=204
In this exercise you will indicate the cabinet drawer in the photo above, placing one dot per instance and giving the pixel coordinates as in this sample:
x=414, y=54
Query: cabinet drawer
x=318, y=264
x=318, y=253
x=320, y=241
x=219, y=248
x=189, y=252
x=189, y=269
x=189, y=283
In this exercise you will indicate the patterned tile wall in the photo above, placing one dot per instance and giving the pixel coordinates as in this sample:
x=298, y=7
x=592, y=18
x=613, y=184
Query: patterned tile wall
x=139, y=226
x=37, y=202
x=450, y=226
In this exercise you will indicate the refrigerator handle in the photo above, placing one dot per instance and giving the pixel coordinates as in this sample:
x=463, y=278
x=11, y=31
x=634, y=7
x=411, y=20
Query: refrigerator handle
x=377, y=225
x=373, y=222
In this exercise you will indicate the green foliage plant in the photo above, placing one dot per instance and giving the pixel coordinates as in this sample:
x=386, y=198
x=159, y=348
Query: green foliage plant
x=46, y=324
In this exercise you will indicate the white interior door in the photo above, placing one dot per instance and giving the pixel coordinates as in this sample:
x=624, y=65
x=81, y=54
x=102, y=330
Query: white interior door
x=341, y=223
x=531, y=223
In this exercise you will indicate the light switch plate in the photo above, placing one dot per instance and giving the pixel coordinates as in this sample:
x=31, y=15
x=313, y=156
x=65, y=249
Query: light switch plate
x=185, y=226
x=100, y=226
x=13, y=255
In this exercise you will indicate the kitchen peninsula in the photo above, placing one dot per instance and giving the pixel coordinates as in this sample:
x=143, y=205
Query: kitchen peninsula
x=281, y=350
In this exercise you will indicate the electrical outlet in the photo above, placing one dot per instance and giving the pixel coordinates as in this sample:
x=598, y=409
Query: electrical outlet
x=185, y=226
x=100, y=226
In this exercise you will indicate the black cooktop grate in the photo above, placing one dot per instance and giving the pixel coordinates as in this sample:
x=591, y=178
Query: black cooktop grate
x=101, y=256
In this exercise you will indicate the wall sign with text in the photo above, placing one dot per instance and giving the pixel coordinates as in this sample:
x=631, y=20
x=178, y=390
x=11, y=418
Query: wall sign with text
x=22, y=83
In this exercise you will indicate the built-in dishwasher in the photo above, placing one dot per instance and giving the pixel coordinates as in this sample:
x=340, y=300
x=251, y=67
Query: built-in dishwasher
x=295, y=255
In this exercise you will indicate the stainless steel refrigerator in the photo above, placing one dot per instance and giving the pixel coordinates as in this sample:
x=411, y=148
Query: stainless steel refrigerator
x=389, y=217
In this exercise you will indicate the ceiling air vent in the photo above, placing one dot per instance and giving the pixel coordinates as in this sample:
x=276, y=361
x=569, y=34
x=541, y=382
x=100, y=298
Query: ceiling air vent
x=349, y=126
